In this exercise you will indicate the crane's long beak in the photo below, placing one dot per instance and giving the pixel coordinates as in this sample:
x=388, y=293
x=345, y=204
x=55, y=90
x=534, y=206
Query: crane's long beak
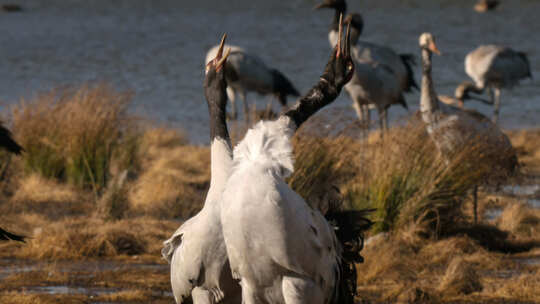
x=433, y=47
x=220, y=58
x=347, y=50
x=223, y=59
x=344, y=50
x=340, y=34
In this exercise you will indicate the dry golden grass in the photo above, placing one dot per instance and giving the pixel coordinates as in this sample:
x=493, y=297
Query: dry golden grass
x=521, y=220
x=37, y=189
x=322, y=167
x=86, y=238
x=406, y=179
x=22, y=298
x=527, y=143
x=124, y=296
x=460, y=278
x=35, y=194
x=416, y=192
x=173, y=181
x=74, y=134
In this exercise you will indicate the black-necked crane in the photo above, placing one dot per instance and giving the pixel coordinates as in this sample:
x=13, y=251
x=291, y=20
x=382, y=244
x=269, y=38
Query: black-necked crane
x=452, y=128
x=249, y=73
x=200, y=270
x=493, y=67
x=7, y=142
x=280, y=249
x=385, y=75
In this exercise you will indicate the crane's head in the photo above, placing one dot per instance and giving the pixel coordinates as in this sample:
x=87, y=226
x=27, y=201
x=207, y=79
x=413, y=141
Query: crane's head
x=427, y=41
x=334, y=4
x=340, y=68
x=214, y=80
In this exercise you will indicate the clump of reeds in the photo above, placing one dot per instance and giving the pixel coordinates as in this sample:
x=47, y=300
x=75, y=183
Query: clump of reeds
x=174, y=176
x=77, y=238
x=406, y=179
x=73, y=135
x=322, y=166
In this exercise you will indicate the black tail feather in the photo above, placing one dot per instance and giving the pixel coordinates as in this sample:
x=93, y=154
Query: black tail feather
x=283, y=87
x=6, y=236
x=524, y=57
x=350, y=226
x=402, y=102
x=7, y=141
x=409, y=61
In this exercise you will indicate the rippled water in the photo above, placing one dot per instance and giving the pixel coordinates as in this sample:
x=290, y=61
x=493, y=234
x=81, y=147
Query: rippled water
x=156, y=48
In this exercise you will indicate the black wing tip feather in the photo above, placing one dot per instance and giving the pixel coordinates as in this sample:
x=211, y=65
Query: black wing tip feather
x=7, y=141
x=283, y=85
x=8, y=236
x=409, y=60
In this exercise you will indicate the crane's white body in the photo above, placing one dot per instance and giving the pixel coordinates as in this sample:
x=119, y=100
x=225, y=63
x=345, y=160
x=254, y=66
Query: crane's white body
x=496, y=67
x=282, y=250
x=196, y=251
x=376, y=53
x=375, y=83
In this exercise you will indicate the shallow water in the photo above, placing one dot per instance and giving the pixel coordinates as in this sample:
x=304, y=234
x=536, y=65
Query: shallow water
x=493, y=214
x=521, y=190
x=534, y=202
x=9, y=267
x=156, y=48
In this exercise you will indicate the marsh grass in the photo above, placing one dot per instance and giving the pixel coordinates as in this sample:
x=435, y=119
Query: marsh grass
x=174, y=176
x=73, y=134
x=322, y=166
x=404, y=177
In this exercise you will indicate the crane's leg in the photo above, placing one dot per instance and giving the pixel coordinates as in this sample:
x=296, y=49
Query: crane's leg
x=359, y=109
x=232, y=97
x=249, y=296
x=298, y=290
x=383, y=121
x=246, y=107
x=201, y=296
x=475, y=203
x=368, y=115
x=497, y=104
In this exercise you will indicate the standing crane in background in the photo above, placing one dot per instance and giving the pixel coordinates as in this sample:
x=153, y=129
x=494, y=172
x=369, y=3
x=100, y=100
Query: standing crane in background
x=452, y=128
x=493, y=67
x=249, y=73
x=384, y=76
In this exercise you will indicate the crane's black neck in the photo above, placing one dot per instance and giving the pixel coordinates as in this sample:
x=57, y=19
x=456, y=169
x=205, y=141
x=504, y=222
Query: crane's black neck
x=322, y=94
x=216, y=97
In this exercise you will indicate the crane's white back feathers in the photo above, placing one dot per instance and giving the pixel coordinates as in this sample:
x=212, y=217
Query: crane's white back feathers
x=268, y=143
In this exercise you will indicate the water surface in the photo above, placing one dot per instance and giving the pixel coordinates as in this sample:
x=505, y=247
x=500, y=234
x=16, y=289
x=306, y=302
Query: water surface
x=156, y=48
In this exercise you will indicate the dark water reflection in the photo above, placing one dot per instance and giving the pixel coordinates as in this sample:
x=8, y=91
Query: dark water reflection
x=156, y=48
